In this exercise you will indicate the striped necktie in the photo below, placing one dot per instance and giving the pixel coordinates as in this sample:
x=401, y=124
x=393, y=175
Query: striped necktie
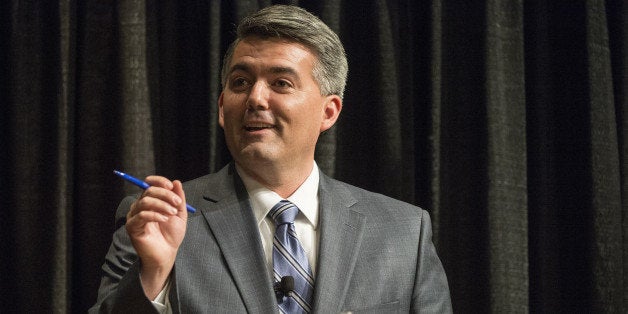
x=289, y=259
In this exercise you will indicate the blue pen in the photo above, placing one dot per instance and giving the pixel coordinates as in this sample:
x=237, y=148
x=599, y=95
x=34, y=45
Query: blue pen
x=144, y=185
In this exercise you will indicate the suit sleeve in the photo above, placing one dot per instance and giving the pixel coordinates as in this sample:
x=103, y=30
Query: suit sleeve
x=431, y=290
x=120, y=287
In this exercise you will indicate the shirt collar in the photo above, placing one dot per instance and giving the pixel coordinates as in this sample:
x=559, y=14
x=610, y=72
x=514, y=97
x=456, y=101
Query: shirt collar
x=263, y=199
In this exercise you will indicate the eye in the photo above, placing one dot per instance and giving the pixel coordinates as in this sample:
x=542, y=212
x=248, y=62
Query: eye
x=239, y=83
x=283, y=84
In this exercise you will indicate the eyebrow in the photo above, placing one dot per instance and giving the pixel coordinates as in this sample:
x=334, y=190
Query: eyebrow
x=275, y=70
x=284, y=70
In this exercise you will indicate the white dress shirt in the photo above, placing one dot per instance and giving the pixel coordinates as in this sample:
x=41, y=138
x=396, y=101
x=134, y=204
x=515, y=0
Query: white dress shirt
x=262, y=201
x=306, y=222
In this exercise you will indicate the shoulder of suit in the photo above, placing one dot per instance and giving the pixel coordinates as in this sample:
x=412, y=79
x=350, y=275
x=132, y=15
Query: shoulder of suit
x=373, y=201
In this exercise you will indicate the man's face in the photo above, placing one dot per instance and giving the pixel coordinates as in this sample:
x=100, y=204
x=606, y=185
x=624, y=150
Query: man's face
x=271, y=108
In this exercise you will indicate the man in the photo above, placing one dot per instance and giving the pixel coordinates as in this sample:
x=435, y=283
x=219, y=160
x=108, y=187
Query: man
x=348, y=250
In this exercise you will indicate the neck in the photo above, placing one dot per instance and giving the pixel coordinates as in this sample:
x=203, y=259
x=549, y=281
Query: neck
x=282, y=180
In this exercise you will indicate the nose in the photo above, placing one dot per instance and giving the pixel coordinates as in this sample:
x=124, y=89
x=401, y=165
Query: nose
x=258, y=96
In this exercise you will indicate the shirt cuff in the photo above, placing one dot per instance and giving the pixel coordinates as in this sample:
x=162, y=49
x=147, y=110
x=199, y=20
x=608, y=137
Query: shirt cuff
x=161, y=302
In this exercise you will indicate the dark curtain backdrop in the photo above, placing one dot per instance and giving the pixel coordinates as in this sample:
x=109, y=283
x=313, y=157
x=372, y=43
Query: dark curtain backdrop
x=505, y=119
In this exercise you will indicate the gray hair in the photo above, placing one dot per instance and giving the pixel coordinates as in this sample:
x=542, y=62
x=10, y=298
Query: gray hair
x=296, y=24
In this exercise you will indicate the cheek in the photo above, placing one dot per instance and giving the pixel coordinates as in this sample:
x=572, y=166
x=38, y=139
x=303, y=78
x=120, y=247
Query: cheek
x=310, y=123
x=229, y=111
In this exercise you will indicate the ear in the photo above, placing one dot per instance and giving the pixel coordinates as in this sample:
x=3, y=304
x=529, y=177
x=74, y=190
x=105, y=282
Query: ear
x=331, y=111
x=221, y=116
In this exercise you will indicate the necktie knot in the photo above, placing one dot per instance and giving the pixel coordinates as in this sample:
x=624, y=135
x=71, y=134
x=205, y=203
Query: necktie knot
x=283, y=212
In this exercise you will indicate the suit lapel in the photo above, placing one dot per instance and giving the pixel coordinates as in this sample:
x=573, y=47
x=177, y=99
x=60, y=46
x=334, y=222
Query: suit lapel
x=234, y=226
x=341, y=230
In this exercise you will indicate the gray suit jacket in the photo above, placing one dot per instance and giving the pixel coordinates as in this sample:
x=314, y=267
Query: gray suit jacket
x=375, y=255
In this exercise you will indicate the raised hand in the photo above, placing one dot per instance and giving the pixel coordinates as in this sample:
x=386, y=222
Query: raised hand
x=156, y=224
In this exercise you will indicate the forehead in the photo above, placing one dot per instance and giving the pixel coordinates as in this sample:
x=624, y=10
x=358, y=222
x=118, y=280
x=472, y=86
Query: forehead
x=272, y=52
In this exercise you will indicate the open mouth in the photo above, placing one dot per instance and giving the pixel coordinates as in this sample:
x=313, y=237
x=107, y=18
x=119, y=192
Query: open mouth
x=251, y=127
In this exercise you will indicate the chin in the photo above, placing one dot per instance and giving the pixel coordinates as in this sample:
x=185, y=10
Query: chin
x=255, y=155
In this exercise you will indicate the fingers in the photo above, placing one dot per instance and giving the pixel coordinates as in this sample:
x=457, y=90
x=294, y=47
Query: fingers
x=145, y=216
x=159, y=200
x=159, y=181
x=178, y=190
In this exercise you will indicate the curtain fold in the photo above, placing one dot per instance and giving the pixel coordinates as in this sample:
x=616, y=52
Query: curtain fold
x=617, y=19
x=505, y=119
x=506, y=150
x=64, y=189
x=605, y=182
